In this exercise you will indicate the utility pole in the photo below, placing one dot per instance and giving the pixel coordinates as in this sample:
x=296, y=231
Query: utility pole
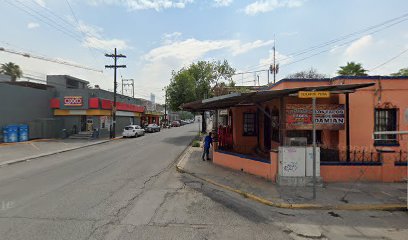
x=274, y=63
x=115, y=66
x=165, y=105
x=274, y=68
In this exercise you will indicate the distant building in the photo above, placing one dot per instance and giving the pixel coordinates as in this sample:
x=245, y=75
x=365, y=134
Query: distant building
x=66, y=102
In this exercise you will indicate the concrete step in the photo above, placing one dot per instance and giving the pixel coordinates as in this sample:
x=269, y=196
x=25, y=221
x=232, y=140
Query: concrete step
x=81, y=136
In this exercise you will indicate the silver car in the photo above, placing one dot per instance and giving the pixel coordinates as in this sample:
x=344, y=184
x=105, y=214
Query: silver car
x=133, y=131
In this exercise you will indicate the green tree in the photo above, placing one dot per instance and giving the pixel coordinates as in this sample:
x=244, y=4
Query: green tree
x=198, y=81
x=306, y=74
x=11, y=70
x=401, y=72
x=352, y=69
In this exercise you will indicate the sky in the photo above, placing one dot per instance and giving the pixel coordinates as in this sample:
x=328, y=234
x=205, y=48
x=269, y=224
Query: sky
x=161, y=36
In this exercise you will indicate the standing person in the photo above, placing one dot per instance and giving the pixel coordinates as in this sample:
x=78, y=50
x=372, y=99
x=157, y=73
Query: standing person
x=207, y=145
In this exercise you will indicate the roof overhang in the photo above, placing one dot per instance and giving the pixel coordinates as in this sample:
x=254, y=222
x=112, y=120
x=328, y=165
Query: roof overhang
x=240, y=99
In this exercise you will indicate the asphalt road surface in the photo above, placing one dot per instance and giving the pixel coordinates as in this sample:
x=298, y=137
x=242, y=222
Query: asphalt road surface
x=129, y=189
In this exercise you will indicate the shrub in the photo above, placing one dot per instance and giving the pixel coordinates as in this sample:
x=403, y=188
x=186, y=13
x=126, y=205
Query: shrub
x=196, y=144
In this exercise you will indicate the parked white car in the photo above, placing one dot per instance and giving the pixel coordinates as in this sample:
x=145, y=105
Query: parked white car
x=133, y=131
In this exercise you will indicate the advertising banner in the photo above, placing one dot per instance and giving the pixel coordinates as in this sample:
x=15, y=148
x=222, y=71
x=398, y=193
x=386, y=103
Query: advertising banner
x=328, y=116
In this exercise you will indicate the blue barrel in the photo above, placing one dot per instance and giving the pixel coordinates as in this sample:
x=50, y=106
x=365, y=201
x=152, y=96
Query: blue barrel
x=12, y=133
x=23, y=132
x=5, y=134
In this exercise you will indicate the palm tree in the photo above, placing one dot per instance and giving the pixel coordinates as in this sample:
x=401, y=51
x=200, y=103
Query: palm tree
x=352, y=69
x=11, y=70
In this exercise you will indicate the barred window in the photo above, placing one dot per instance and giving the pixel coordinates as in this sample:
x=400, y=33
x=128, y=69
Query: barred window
x=249, y=124
x=385, y=120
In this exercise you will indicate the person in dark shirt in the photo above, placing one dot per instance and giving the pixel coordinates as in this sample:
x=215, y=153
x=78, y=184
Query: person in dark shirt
x=207, y=145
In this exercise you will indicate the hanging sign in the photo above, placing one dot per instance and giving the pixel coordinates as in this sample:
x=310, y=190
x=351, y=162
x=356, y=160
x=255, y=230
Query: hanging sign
x=314, y=94
x=328, y=116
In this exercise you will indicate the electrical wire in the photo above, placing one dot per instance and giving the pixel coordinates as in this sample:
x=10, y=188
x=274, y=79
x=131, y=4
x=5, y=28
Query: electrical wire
x=80, y=28
x=389, y=60
x=51, y=23
x=28, y=55
x=382, y=26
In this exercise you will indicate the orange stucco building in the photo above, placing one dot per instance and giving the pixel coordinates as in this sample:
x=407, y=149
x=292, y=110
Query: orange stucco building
x=256, y=124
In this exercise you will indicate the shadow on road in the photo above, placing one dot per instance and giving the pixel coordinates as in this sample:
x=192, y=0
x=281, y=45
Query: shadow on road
x=179, y=141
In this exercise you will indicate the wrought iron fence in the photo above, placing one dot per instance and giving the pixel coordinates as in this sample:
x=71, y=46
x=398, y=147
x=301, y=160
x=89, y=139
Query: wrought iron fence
x=401, y=156
x=356, y=155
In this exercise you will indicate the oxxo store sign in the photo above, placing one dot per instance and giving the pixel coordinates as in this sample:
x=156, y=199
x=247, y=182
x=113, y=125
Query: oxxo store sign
x=73, y=101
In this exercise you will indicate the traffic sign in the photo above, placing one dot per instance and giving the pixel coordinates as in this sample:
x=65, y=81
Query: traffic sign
x=313, y=94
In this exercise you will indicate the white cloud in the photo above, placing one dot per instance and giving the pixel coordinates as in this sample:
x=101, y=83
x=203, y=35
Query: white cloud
x=263, y=6
x=175, y=53
x=359, y=46
x=191, y=49
x=279, y=58
x=108, y=44
x=239, y=48
x=94, y=39
x=222, y=3
x=32, y=25
x=171, y=37
x=144, y=4
x=40, y=2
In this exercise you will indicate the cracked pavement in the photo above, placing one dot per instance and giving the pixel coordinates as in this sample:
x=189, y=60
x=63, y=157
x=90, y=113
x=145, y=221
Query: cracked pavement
x=129, y=189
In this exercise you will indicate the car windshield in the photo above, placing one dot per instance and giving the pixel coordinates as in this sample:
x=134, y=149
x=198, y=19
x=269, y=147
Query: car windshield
x=129, y=128
x=151, y=125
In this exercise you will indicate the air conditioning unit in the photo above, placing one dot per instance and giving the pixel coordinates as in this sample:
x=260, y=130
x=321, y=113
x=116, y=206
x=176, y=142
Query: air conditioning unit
x=295, y=142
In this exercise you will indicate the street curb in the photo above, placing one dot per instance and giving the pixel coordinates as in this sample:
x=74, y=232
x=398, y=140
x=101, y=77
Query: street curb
x=304, y=206
x=10, y=162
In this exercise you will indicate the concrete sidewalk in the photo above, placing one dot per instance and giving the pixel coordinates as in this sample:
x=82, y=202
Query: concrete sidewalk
x=341, y=196
x=22, y=151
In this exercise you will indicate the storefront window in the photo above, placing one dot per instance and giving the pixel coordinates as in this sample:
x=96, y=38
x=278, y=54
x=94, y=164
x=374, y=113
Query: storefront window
x=386, y=120
x=249, y=124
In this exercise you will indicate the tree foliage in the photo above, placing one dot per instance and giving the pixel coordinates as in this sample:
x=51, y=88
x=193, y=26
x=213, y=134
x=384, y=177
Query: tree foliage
x=12, y=70
x=197, y=82
x=401, y=72
x=307, y=74
x=352, y=69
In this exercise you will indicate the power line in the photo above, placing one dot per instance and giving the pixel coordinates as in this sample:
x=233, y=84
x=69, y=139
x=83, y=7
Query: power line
x=389, y=60
x=50, y=22
x=80, y=28
x=382, y=26
x=56, y=15
x=29, y=55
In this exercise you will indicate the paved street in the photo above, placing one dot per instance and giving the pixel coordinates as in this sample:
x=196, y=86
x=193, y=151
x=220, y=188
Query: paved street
x=129, y=189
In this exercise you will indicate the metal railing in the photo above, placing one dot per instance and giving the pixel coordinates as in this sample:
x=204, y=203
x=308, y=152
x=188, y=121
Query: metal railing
x=356, y=155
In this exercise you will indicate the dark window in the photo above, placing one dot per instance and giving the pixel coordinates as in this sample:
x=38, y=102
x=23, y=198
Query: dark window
x=249, y=124
x=385, y=120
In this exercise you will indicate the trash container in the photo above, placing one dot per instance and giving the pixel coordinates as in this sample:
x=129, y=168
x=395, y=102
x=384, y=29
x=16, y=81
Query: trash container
x=23, y=132
x=12, y=133
x=5, y=134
